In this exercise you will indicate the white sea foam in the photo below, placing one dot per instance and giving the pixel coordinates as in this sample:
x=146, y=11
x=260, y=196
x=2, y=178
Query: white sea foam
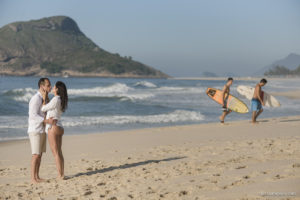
x=181, y=90
x=118, y=90
x=13, y=126
x=166, y=88
x=283, y=86
x=21, y=94
x=139, y=96
x=8, y=122
x=3, y=139
x=176, y=116
x=145, y=84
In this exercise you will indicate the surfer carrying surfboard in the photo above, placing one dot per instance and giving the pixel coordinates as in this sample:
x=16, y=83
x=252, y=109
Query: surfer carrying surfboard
x=257, y=100
x=225, y=95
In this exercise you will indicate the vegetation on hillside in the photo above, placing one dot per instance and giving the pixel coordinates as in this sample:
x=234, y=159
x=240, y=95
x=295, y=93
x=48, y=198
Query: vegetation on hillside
x=282, y=71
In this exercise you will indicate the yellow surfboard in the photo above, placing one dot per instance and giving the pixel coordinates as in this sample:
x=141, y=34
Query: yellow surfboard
x=233, y=103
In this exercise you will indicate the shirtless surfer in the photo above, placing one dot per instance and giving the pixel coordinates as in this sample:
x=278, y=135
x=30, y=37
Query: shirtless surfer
x=257, y=100
x=225, y=94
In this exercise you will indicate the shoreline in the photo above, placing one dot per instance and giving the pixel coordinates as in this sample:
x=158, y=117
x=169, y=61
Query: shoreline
x=24, y=138
x=288, y=94
x=250, y=78
x=237, y=160
x=242, y=78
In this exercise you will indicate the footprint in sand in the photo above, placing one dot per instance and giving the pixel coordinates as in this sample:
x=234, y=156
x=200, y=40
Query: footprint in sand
x=217, y=174
x=87, y=193
x=278, y=176
x=238, y=182
x=20, y=195
x=113, y=198
x=224, y=187
x=246, y=177
x=183, y=193
x=101, y=184
x=296, y=165
x=241, y=167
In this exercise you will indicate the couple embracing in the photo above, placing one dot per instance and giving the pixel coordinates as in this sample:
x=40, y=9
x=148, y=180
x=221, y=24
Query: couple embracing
x=44, y=119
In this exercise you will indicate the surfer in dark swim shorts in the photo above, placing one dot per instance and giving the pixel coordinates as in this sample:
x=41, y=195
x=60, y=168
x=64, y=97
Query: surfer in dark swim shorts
x=225, y=93
x=257, y=100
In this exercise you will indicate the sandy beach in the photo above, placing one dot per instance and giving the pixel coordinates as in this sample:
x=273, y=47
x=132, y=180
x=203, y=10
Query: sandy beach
x=237, y=160
x=288, y=94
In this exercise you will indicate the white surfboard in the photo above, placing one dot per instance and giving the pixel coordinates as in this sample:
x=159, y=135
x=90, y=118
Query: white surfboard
x=247, y=91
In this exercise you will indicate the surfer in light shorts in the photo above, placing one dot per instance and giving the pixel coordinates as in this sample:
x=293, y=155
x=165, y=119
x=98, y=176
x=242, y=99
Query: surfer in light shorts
x=257, y=100
x=225, y=94
x=36, y=129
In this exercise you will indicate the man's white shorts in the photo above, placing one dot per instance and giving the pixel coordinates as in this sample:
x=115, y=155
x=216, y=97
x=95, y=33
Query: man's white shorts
x=37, y=142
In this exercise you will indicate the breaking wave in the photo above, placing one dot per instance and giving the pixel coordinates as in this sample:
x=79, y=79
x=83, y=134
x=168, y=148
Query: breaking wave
x=176, y=116
x=172, y=117
x=145, y=84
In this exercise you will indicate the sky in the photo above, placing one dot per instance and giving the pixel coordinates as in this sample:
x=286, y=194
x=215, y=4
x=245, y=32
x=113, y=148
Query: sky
x=182, y=38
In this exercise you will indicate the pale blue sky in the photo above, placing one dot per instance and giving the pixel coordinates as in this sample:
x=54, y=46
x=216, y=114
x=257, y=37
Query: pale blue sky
x=181, y=38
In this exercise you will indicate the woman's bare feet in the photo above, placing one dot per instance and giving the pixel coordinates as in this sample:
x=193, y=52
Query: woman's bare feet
x=59, y=178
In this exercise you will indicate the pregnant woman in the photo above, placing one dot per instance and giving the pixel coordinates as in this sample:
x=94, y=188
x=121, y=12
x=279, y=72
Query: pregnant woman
x=54, y=109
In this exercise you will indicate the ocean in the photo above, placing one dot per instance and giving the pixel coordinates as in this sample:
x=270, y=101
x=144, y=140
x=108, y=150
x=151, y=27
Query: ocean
x=99, y=105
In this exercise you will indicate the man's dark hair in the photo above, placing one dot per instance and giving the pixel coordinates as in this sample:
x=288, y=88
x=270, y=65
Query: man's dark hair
x=42, y=81
x=263, y=81
x=230, y=79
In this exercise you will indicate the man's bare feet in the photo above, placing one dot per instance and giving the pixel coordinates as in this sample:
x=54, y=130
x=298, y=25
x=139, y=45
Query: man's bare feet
x=34, y=181
x=221, y=120
x=40, y=180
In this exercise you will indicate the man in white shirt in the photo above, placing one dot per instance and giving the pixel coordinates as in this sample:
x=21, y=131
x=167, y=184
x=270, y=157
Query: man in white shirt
x=36, y=128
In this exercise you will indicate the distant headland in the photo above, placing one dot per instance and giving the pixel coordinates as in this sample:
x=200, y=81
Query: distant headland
x=55, y=46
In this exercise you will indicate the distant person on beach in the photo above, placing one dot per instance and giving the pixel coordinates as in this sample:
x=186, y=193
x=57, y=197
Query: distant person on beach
x=225, y=95
x=257, y=100
x=36, y=129
x=54, y=109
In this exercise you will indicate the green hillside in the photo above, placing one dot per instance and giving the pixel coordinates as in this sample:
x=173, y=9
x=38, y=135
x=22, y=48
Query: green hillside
x=55, y=46
x=282, y=71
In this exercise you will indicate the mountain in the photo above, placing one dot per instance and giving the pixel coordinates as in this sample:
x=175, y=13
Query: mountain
x=56, y=46
x=291, y=62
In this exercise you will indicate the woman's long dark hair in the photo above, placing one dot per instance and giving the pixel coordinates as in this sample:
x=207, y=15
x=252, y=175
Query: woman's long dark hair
x=62, y=92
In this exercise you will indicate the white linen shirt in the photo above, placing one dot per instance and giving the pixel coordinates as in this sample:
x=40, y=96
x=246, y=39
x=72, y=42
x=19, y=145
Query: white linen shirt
x=36, y=116
x=53, y=109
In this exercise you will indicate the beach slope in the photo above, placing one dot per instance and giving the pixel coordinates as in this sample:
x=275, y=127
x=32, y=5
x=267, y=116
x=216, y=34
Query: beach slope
x=208, y=161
